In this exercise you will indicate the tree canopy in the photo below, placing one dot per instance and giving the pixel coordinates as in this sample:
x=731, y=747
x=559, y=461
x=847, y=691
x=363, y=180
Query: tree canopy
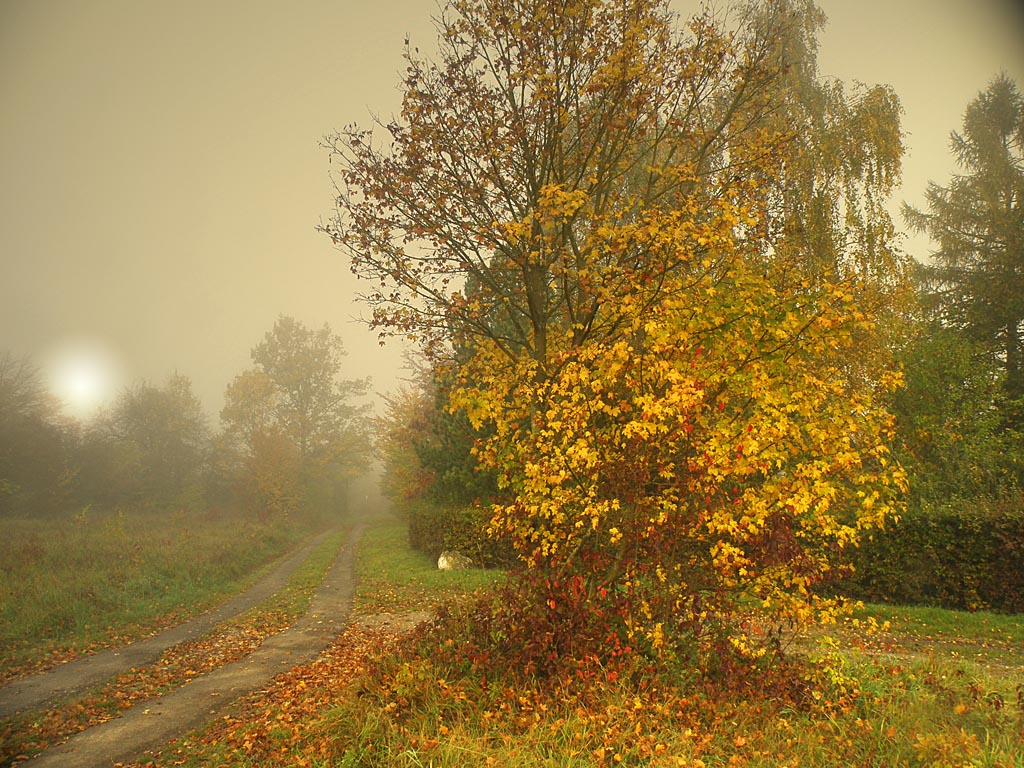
x=976, y=277
x=294, y=415
x=659, y=260
x=149, y=448
x=34, y=440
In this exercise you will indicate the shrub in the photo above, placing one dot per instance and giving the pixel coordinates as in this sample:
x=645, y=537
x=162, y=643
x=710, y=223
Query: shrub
x=966, y=554
x=434, y=528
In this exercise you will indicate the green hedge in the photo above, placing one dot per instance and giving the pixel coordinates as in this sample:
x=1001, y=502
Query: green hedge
x=967, y=555
x=434, y=529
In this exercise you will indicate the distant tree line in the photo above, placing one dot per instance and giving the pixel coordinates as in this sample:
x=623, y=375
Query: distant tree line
x=960, y=413
x=292, y=436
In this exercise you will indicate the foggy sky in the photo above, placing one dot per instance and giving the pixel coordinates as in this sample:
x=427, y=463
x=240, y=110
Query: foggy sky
x=163, y=175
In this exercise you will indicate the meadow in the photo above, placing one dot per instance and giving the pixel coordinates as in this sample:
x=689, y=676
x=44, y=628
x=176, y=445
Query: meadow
x=95, y=579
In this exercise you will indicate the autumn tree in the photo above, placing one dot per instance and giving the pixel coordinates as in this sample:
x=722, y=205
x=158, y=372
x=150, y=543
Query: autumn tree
x=294, y=414
x=428, y=448
x=407, y=421
x=976, y=221
x=586, y=209
x=312, y=403
x=268, y=468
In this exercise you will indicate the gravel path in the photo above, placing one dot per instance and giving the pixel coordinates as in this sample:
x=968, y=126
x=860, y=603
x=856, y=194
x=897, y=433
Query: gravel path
x=153, y=723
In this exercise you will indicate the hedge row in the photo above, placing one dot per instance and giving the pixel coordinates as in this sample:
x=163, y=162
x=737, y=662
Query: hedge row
x=967, y=555
x=434, y=529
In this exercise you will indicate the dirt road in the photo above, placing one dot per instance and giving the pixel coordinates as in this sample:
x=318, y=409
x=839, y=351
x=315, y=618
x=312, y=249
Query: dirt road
x=157, y=721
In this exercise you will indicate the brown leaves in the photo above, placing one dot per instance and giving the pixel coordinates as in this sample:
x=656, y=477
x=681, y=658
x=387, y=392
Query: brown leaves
x=33, y=732
x=602, y=102
x=283, y=724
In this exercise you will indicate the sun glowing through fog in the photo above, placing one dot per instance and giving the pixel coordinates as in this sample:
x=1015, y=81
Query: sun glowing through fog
x=85, y=376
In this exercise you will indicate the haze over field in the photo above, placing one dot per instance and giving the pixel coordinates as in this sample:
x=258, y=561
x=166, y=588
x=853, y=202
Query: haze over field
x=711, y=451
x=163, y=174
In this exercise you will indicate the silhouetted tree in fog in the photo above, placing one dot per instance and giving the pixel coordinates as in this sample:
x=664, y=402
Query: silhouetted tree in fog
x=35, y=470
x=149, y=448
x=293, y=417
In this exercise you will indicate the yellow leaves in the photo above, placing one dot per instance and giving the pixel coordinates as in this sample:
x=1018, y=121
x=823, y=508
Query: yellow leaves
x=555, y=202
x=724, y=418
x=513, y=231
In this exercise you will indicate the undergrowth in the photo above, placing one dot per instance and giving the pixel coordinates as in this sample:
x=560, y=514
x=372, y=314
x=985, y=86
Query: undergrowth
x=411, y=711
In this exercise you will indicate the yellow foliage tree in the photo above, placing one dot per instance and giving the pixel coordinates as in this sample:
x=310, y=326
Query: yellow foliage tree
x=407, y=422
x=713, y=459
x=590, y=211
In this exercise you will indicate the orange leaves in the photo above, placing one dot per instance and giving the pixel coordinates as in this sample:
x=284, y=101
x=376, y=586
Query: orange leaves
x=666, y=366
x=556, y=159
x=176, y=667
x=282, y=725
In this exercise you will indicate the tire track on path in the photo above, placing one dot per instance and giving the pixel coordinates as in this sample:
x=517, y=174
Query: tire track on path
x=159, y=720
x=37, y=690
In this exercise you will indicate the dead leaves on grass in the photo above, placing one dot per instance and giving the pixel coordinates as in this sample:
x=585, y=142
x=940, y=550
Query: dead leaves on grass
x=24, y=660
x=279, y=725
x=30, y=733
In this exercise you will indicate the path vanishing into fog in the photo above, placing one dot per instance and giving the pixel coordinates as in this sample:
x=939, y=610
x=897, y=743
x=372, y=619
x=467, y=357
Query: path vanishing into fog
x=154, y=722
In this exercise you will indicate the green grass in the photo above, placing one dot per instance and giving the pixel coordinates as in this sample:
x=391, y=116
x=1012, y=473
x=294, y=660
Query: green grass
x=92, y=579
x=871, y=710
x=892, y=701
x=936, y=688
x=32, y=731
x=987, y=639
x=394, y=579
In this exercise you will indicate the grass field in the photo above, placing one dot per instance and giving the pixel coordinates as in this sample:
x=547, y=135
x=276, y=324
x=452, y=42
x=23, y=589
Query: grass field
x=394, y=578
x=68, y=585
x=30, y=732
x=988, y=640
x=937, y=688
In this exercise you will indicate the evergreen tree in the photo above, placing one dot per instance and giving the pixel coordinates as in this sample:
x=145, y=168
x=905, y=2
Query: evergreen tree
x=976, y=280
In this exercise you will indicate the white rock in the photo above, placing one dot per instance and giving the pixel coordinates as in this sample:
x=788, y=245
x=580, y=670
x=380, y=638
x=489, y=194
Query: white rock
x=453, y=561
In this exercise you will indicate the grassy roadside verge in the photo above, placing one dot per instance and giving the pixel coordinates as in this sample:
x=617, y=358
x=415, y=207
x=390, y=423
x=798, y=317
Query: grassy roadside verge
x=31, y=732
x=282, y=726
x=376, y=698
x=895, y=704
x=393, y=578
x=72, y=585
x=983, y=639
